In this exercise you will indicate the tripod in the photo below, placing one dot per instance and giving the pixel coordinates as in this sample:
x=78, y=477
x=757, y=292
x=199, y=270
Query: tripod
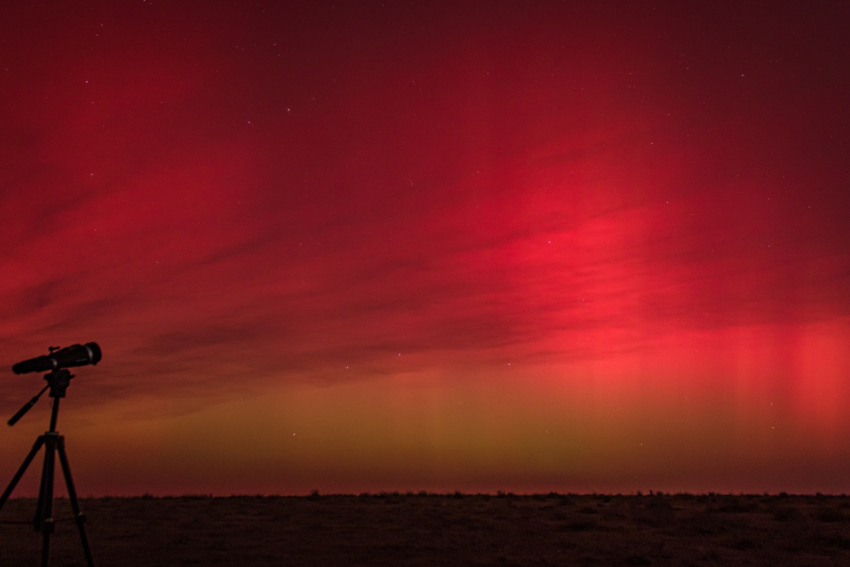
x=53, y=443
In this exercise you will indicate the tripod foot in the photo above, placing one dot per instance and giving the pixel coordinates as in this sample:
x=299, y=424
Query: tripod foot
x=79, y=517
x=47, y=527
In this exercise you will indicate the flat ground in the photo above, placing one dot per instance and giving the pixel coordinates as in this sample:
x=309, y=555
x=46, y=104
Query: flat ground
x=398, y=530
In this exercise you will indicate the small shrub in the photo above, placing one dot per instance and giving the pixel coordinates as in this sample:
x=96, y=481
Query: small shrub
x=831, y=515
x=743, y=544
x=736, y=507
x=836, y=541
x=581, y=526
x=786, y=514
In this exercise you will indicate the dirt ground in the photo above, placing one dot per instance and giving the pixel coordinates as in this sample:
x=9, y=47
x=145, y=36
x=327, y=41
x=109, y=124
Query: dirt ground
x=398, y=529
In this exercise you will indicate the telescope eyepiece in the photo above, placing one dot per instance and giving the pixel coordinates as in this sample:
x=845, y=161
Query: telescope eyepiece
x=74, y=355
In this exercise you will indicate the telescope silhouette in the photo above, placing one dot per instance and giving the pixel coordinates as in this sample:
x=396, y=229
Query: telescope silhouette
x=58, y=380
x=74, y=355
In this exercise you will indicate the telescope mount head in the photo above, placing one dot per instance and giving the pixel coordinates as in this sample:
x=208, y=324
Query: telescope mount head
x=58, y=380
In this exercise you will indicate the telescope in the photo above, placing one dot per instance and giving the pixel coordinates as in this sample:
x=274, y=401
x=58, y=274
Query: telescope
x=58, y=379
x=74, y=355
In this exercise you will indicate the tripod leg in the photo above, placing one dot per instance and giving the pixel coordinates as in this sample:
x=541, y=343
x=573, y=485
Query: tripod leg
x=38, y=443
x=44, y=515
x=79, y=517
x=44, y=508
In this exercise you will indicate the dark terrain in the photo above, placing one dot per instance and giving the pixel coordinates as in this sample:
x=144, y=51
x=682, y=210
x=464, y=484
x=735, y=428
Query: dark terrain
x=426, y=529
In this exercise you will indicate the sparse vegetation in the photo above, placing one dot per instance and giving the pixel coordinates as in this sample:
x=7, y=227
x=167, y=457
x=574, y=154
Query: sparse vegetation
x=392, y=528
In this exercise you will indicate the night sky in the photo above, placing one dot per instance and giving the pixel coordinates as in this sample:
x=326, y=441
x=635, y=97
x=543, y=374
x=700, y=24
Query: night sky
x=476, y=246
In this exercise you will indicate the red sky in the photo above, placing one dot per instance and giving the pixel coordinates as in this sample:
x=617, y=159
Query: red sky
x=588, y=246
